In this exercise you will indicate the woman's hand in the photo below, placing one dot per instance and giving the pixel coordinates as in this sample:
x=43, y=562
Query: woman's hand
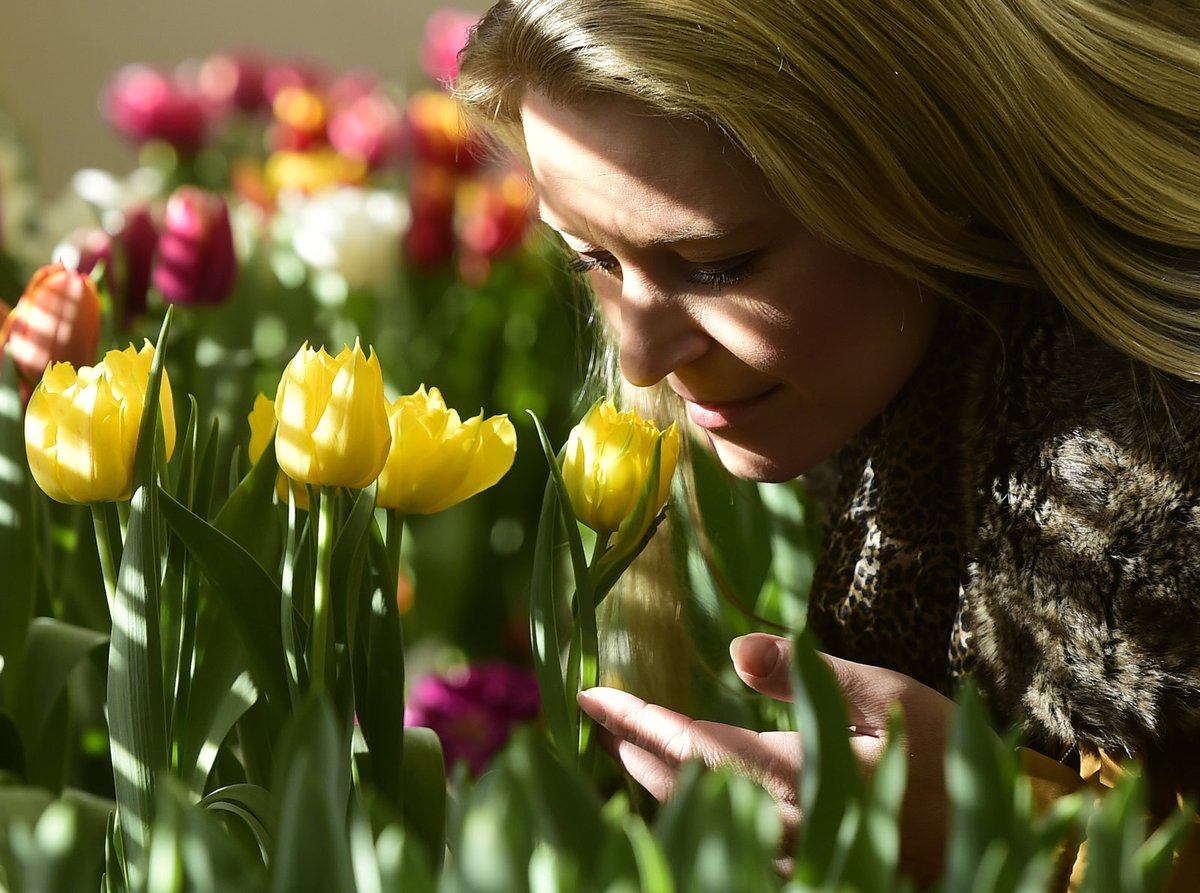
x=651, y=742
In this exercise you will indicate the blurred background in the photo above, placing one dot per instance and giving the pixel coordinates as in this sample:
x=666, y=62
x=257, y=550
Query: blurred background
x=56, y=55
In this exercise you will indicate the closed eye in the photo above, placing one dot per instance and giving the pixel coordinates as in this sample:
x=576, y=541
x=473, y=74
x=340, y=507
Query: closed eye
x=591, y=263
x=725, y=274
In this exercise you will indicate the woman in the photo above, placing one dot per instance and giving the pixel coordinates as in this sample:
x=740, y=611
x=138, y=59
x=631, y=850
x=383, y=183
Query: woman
x=951, y=248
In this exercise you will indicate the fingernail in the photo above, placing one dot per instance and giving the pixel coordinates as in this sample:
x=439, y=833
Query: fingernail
x=754, y=655
x=591, y=705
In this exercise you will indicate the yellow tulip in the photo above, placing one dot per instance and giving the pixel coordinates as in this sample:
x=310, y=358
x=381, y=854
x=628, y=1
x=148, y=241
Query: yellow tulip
x=81, y=428
x=607, y=463
x=262, y=427
x=436, y=460
x=332, y=414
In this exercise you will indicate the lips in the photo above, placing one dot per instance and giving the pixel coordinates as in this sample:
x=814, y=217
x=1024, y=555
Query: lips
x=716, y=416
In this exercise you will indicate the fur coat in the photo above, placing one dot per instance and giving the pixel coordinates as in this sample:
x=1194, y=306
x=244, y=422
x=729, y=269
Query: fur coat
x=1027, y=510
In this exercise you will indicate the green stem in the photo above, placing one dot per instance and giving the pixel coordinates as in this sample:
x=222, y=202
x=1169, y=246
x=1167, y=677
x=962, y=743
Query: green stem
x=589, y=648
x=104, y=545
x=392, y=541
x=321, y=591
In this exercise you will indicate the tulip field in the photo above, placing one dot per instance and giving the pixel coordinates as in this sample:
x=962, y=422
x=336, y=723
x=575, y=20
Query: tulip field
x=317, y=513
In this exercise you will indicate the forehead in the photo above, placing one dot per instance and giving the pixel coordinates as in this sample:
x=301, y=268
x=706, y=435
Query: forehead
x=612, y=152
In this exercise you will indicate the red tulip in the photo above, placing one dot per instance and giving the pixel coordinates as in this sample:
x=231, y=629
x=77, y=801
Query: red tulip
x=438, y=132
x=430, y=240
x=495, y=214
x=196, y=261
x=145, y=104
x=56, y=320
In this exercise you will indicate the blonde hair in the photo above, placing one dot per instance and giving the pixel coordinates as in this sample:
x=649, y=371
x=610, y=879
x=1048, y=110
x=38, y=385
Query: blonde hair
x=1046, y=144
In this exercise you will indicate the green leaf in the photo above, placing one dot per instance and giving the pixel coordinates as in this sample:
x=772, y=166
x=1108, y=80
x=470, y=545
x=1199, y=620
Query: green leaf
x=17, y=539
x=543, y=627
x=311, y=843
x=136, y=700
x=424, y=807
x=349, y=552
x=247, y=591
x=380, y=696
x=55, y=650
x=63, y=850
x=251, y=804
x=190, y=851
x=832, y=781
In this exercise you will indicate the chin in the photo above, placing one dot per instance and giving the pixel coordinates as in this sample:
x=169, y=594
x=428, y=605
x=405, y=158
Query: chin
x=756, y=466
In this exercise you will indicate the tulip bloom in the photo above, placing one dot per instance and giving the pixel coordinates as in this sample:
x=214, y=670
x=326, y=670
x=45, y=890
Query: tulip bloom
x=262, y=427
x=196, y=263
x=436, y=460
x=144, y=104
x=607, y=464
x=81, y=428
x=332, y=414
x=439, y=134
x=353, y=232
x=57, y=319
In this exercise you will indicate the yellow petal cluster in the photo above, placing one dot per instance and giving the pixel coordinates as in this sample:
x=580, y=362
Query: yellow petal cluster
x=81, y=428
x=607, y=463
x=332, y=415
x=262, y=428
x=436, y=459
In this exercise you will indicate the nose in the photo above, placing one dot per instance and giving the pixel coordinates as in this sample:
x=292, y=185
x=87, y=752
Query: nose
x=658, y=332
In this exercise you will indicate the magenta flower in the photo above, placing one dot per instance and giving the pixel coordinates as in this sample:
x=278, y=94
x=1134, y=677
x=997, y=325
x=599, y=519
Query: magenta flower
x=234, y=81
x=474, y=709
x=145, y=104
x=445, y=35
x=196, y=262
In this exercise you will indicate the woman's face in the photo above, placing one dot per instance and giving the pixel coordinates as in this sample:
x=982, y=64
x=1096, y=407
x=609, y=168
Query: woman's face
x=781, y=345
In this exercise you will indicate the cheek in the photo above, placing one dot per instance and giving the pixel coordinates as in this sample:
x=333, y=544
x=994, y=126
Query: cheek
x=608, y=295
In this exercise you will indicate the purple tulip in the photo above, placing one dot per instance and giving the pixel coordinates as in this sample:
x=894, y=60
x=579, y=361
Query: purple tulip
x=196, y=261
x=474, y=709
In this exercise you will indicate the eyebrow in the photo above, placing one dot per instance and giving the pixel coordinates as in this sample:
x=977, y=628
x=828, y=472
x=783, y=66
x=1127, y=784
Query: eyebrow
x=684, y=236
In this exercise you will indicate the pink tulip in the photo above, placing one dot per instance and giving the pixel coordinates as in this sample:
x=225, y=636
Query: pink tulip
x=144, y=104
x=367, y=129
x=446, y=34
x=196, y=263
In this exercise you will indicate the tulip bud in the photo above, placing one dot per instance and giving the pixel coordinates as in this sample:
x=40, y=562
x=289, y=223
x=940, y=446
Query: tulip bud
x=81, y=428
x=144, y=104
x=262, y=428
x=196, y=262
x=607, y=465
x=332, y=414
x=436, y=460
x=57, y=319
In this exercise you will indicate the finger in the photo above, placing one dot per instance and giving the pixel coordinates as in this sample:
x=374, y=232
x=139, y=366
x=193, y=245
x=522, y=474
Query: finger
x=764, y=662
x=670, y=736
x=869, y=691
x=654, y=774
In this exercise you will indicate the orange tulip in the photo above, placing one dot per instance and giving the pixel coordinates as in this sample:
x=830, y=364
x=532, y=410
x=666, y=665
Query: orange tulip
x=57, y=320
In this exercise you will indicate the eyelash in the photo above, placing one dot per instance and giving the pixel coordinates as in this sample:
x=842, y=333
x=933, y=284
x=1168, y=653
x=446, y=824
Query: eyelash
x=738, y=270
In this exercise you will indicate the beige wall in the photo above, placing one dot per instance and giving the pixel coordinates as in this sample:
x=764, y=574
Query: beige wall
x=56, y=55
